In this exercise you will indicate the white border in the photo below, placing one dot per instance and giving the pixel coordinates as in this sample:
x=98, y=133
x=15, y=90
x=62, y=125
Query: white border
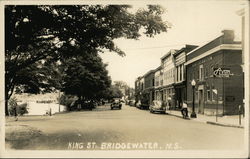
x=247, y=75
x=115, y=154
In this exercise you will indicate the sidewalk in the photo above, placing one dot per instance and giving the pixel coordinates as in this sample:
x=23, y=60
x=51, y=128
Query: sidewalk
x=229, y=121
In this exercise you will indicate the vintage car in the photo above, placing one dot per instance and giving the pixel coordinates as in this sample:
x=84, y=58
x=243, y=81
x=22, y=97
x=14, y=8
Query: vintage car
x=138, y=104
x=131, y=102
x=82, y=105
x=157, y=106
x=116, y=103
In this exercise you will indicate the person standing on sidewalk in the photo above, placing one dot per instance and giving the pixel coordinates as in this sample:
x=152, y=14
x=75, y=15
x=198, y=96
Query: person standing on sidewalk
x=184, y=108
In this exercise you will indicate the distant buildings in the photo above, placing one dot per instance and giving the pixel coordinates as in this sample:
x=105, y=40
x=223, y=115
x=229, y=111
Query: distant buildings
x=149, y=85
x=216, y=69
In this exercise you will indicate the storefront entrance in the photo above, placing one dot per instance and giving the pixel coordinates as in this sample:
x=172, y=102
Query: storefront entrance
x=201, y=101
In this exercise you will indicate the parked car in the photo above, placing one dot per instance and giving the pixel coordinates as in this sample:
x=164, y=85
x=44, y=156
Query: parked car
x=88, y=105
x=138, y=104
x=131, y=102
x=116, y=103
x=82, y=105
x=157, y=106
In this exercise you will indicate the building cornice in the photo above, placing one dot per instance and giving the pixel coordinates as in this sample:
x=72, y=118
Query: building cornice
x=218, y=48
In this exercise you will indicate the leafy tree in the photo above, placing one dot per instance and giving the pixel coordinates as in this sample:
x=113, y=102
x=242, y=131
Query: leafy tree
x=40, y=32
x=42, y=76
x=115, y=92
x=121, y=84
x=85, y=76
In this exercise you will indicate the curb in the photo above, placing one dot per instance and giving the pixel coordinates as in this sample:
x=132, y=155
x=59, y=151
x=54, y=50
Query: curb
x=223, y=124
x=178, y=116
x=210, y=122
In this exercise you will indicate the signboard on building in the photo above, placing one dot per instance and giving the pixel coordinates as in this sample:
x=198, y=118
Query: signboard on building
x=222, y=72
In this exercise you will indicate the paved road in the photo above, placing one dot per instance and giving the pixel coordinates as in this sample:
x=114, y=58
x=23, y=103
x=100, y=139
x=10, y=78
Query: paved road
x=129, y=128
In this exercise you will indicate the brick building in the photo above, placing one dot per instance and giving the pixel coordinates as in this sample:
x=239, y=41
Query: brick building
x=216, y=68
x=180, y=74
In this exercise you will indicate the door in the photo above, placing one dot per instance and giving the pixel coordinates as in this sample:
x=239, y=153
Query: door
x=201, y=101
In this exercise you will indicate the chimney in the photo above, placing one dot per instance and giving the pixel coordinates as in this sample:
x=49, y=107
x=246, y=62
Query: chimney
x=228, y=36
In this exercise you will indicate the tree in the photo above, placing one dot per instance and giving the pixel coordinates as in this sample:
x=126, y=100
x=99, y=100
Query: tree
x=85, y=76
x=42, y=76
x=39, y=32
x=121, y=84
x=115, y=92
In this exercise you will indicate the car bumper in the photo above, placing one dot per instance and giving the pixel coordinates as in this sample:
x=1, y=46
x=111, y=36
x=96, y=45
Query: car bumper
x=158, y=110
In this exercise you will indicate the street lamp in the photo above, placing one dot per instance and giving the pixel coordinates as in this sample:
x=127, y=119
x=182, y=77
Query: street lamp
x=193, y=83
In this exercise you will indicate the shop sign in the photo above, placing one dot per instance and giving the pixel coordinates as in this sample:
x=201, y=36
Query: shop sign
x=222, y=72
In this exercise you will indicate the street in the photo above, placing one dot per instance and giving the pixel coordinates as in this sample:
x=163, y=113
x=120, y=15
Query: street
x=126, y=129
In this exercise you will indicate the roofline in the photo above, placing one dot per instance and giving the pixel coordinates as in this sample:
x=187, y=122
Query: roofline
x=168, y=53
x=187, y=46
x=150, y=71
x=158, y=68
x=215, y=49
x=204, y=45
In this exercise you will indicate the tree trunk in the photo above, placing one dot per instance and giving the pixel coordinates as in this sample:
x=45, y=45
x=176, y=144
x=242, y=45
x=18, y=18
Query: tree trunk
x=6, y=108
x=9, y=89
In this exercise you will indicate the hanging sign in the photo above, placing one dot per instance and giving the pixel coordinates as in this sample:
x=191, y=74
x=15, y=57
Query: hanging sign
x=215, y=91
x=222, y=72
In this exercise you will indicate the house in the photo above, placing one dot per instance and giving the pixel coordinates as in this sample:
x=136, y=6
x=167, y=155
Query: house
x=216, y=69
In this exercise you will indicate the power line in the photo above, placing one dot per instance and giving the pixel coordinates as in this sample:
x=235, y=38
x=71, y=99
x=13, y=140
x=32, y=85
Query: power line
x=164, y=46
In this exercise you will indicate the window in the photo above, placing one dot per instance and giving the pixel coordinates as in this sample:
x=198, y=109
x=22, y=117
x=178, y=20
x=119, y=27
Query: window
x=214, y=95
x=208, y=95
x=201, y=73
x=177, y=79
x=206, y=72
x=181, y=73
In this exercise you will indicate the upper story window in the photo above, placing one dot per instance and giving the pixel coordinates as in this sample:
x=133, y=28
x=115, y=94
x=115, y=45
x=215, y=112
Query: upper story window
x=181, y=72
x=201, y=73
x=177, y=73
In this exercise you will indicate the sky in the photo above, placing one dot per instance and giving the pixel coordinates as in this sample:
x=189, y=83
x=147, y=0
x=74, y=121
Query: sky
x=193, y=22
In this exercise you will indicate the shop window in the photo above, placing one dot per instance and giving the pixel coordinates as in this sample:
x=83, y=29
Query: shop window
x=214, y=95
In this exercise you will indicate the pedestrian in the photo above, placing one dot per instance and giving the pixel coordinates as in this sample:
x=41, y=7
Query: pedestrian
x=242, y=110
x=184, y=108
